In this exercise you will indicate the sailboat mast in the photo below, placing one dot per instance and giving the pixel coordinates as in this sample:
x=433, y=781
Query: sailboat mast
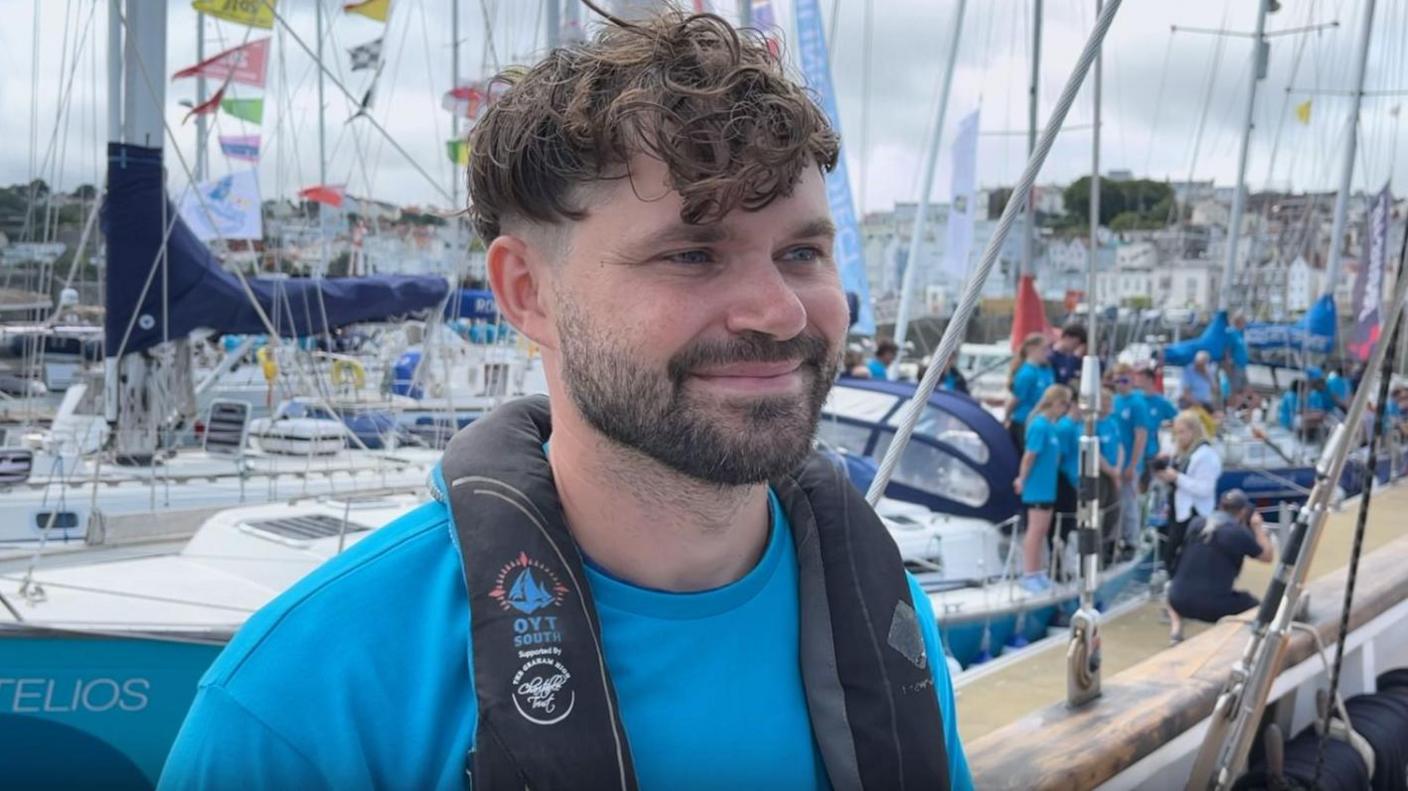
x=1351, y=135
x=455, y=117
x=202, y=156
x=1260, y=53
x=1029, y=227
x=552, y=18
x=322, y=145
x=926, y=184
x=745, y=13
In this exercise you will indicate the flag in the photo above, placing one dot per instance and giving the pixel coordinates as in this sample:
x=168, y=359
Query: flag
x=811, y=48
x=226, y=208
x=254, y=13
x=372, y=9
x=1369, y=285
x=366, y=105
x=366, y=56
x=251, y=110
x=245, y=65
x=244, y=147
x=207, y=106
x=332, y=195
x=1303, y=111
x=465, y=101
x=963, y=208
x=458, y=150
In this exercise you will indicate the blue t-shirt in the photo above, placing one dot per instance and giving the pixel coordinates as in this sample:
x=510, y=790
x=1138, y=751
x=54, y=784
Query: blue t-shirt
x=1238, y=346
x=360, y=677
x=878, y=370
x=1196, y=385
x=1339, y=388
x=1132, y=413
x=1107, y=430
x=1044, y=440
x=1028, y=385
x=1069, y=430
x=1159, y=409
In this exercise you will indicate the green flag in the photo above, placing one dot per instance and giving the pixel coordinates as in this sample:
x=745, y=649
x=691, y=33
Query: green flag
x=458, y=151
x=251, y=110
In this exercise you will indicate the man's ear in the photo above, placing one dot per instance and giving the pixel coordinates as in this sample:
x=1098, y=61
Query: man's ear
x=518, y=279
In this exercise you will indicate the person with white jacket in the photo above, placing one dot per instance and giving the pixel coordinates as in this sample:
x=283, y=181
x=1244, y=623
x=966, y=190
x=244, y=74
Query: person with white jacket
x=1192, y=474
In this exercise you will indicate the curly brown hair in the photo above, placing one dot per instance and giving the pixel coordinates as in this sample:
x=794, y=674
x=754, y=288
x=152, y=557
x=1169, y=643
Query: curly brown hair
x=710, y=102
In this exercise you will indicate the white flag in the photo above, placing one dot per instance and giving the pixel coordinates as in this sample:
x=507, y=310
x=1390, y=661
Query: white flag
x=963, y=211
x=226, y=208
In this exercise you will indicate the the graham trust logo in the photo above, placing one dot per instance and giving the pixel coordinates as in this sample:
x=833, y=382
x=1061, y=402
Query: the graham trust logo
x=542, y=687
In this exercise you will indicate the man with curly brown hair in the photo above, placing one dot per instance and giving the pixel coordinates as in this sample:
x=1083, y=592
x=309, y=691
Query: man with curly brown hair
x=646, y=579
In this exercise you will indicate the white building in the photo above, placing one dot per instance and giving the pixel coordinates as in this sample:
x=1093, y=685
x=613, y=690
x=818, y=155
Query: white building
x=1191, y=283
x=1210, y=212
x=1302, y=285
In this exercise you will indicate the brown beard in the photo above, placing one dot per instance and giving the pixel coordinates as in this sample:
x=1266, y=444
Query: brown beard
x=731, y=443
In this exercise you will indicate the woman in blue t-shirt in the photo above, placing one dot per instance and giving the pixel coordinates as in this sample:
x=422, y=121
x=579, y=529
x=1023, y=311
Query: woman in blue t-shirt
x=1031, y=374
x=1036, y=482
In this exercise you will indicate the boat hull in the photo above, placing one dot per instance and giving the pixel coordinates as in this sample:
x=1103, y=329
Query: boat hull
x=85, y=711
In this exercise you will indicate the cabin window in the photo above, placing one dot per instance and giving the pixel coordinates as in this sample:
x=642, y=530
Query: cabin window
x=938, y=472
x=845, y=436
x=51, y=520
x=943, y=426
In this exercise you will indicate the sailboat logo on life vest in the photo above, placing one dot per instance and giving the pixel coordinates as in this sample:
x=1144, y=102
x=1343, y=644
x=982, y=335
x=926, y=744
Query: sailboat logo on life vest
x=527, y=586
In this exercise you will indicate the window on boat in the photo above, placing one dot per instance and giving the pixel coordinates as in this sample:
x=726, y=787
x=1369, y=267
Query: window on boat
x=60, y=520
x=864, y=405
x=936, y=471
x=944, y=427
x=845, y=436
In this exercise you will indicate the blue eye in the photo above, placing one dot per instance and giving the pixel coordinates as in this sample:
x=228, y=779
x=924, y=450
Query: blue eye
x=804, y=254
x=692, y=257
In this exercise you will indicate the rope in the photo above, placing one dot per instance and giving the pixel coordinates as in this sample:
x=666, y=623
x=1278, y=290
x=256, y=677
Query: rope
x=958, y=326
x=1385, y=375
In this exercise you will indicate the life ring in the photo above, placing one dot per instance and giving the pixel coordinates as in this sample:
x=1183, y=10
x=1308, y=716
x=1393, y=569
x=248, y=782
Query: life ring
x=267, y=364
x=344, y=371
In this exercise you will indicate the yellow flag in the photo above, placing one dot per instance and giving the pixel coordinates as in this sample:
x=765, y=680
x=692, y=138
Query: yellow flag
x=1303, y=112
x=372, y=9
x=255, y=13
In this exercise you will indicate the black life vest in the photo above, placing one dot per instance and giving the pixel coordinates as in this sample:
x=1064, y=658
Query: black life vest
x=548, y=713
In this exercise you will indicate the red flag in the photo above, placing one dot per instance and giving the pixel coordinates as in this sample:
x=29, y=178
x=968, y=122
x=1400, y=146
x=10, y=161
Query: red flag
x=1029, y=315
x=208, y=106
x=245, y=65
x=331, y=195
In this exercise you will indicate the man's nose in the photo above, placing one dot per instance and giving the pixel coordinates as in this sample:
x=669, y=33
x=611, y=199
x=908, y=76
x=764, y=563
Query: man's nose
x=762, y=300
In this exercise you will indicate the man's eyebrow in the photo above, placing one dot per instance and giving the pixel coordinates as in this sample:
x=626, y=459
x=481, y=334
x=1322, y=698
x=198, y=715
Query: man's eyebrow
x=822, y=226
x=686, y=233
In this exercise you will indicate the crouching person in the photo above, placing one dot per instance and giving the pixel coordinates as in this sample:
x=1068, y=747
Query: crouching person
x=1202, y=587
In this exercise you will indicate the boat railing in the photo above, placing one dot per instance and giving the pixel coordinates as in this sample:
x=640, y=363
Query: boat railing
x=1149, y=716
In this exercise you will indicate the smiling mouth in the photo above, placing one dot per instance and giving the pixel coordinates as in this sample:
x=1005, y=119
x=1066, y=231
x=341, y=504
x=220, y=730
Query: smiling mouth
x=752, y=378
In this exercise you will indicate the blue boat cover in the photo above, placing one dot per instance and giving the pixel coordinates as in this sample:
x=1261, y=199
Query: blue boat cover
x=1213, y=341
x=1314, y=332
x=199, y=294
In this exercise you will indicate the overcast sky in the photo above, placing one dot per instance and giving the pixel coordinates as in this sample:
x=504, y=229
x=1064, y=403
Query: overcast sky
x=1160, y=89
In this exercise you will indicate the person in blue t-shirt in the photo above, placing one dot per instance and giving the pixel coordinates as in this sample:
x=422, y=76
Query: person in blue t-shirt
x=885, y=353
x=1305, y=407
x=1337, y=387
x=1110, y=437
x=1131, y=412
x=1158, y=411
x=1031, y=374
x=1037, y=481
x=607, y=591
x=1069, y=428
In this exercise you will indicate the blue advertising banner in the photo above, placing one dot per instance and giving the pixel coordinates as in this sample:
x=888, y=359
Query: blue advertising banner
x=850, y=259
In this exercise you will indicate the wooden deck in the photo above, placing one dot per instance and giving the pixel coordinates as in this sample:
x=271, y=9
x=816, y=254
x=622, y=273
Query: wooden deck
x=1014, y=721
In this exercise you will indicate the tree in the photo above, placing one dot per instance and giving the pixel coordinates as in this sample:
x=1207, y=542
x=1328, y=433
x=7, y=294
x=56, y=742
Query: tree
x=1148, y=201
x=85, y=192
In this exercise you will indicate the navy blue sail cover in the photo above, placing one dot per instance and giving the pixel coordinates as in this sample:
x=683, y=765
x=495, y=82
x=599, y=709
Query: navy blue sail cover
x=471, y=303
x=199, y=294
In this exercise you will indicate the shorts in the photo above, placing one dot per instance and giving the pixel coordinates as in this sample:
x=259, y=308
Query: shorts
x=1017, y=430
x=1043, y=506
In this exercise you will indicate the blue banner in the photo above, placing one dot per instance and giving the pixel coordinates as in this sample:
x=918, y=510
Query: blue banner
x=850, y=259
